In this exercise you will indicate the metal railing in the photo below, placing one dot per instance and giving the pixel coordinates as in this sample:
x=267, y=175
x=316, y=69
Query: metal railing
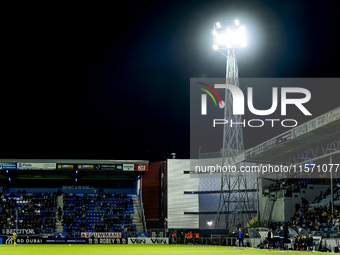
x=141, y=213
x=158, y=232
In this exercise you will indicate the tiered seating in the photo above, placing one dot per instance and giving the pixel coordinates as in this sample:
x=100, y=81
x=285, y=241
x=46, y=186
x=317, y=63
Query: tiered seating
x=318, y=217
x=98, y=213
x=35, y=211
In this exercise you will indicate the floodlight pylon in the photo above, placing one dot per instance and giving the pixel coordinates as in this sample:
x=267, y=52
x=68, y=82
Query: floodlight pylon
x=235, y=201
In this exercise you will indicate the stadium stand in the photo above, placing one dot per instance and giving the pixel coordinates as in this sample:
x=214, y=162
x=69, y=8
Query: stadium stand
x=316, y=218
x=35, y=211
x=103, y=212
x=295, y=184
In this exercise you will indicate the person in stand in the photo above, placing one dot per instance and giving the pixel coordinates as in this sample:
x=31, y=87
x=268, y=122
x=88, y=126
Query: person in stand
x=270, y=238
x=175, y=237
x=310, y=242
x=182, y=237
x=240, y=237
x=304, y=243
x=282, y=238
x=15, y=238
x=196, y=235
x=298, y=243
x=191, y=237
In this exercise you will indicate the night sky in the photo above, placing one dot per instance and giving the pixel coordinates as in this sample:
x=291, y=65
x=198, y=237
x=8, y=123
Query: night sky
x=112, y=81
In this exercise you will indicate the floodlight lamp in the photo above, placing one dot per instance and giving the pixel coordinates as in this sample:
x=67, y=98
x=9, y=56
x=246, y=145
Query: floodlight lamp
x=228, y=45
x=76, y=179
x=9, y=179
x=209, y=223
x=215, y=47
x=228, y=30
x=214, y=32
x=218, y=25
x=236, y=22
x=242, y=28
x=222, y=39
x=236, y=37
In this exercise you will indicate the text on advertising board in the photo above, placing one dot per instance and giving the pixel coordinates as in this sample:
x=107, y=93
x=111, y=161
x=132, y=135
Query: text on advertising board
x=141, y=167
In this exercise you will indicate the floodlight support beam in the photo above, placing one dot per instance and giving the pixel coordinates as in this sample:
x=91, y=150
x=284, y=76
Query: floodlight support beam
x=232, y=146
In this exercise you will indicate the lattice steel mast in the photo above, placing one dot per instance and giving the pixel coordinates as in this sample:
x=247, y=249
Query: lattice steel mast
x=234, y=202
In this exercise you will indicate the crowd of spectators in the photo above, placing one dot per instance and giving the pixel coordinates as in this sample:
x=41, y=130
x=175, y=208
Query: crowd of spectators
x=290, y=185
x=35, y=211
x=303, y=243
x=316, y=218
x=319, y=216
x=323, y=195
x=102, y=212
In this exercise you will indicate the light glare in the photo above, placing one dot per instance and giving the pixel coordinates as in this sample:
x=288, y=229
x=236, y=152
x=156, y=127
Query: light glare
x=232, y=36
x=222, y=39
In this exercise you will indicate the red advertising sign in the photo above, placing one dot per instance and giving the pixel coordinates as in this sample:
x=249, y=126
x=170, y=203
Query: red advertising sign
x=141, y=167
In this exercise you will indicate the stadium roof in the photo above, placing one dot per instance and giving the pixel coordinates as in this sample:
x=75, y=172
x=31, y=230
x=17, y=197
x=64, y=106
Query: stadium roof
x=75, y=161
x=303, y=137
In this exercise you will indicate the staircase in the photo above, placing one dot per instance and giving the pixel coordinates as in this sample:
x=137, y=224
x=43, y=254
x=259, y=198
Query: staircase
x=267, y=214
x=138, y=214
x=59, y=224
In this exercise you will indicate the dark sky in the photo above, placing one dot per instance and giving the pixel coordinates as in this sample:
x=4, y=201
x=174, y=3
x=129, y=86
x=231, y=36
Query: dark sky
x=112, y=81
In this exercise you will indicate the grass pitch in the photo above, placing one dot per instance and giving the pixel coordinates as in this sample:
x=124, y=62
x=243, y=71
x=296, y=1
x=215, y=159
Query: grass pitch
x=99, y=249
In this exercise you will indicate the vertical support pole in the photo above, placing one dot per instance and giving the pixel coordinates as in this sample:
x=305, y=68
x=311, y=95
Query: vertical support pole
x=258, y=197
x=332, y=196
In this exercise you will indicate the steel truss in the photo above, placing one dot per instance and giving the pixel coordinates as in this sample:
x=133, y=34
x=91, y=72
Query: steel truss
x=237, y=205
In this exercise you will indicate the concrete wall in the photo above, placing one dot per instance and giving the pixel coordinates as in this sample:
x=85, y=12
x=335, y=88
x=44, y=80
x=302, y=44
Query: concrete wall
x=278, y=213
x=178, y=202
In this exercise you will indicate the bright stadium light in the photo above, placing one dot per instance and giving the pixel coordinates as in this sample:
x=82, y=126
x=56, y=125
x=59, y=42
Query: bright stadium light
x=229, y=35
x=243, y=44
x=209, y=223
x=222, y=39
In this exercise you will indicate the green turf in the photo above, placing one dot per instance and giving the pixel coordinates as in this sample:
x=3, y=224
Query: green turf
x=83, y=249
